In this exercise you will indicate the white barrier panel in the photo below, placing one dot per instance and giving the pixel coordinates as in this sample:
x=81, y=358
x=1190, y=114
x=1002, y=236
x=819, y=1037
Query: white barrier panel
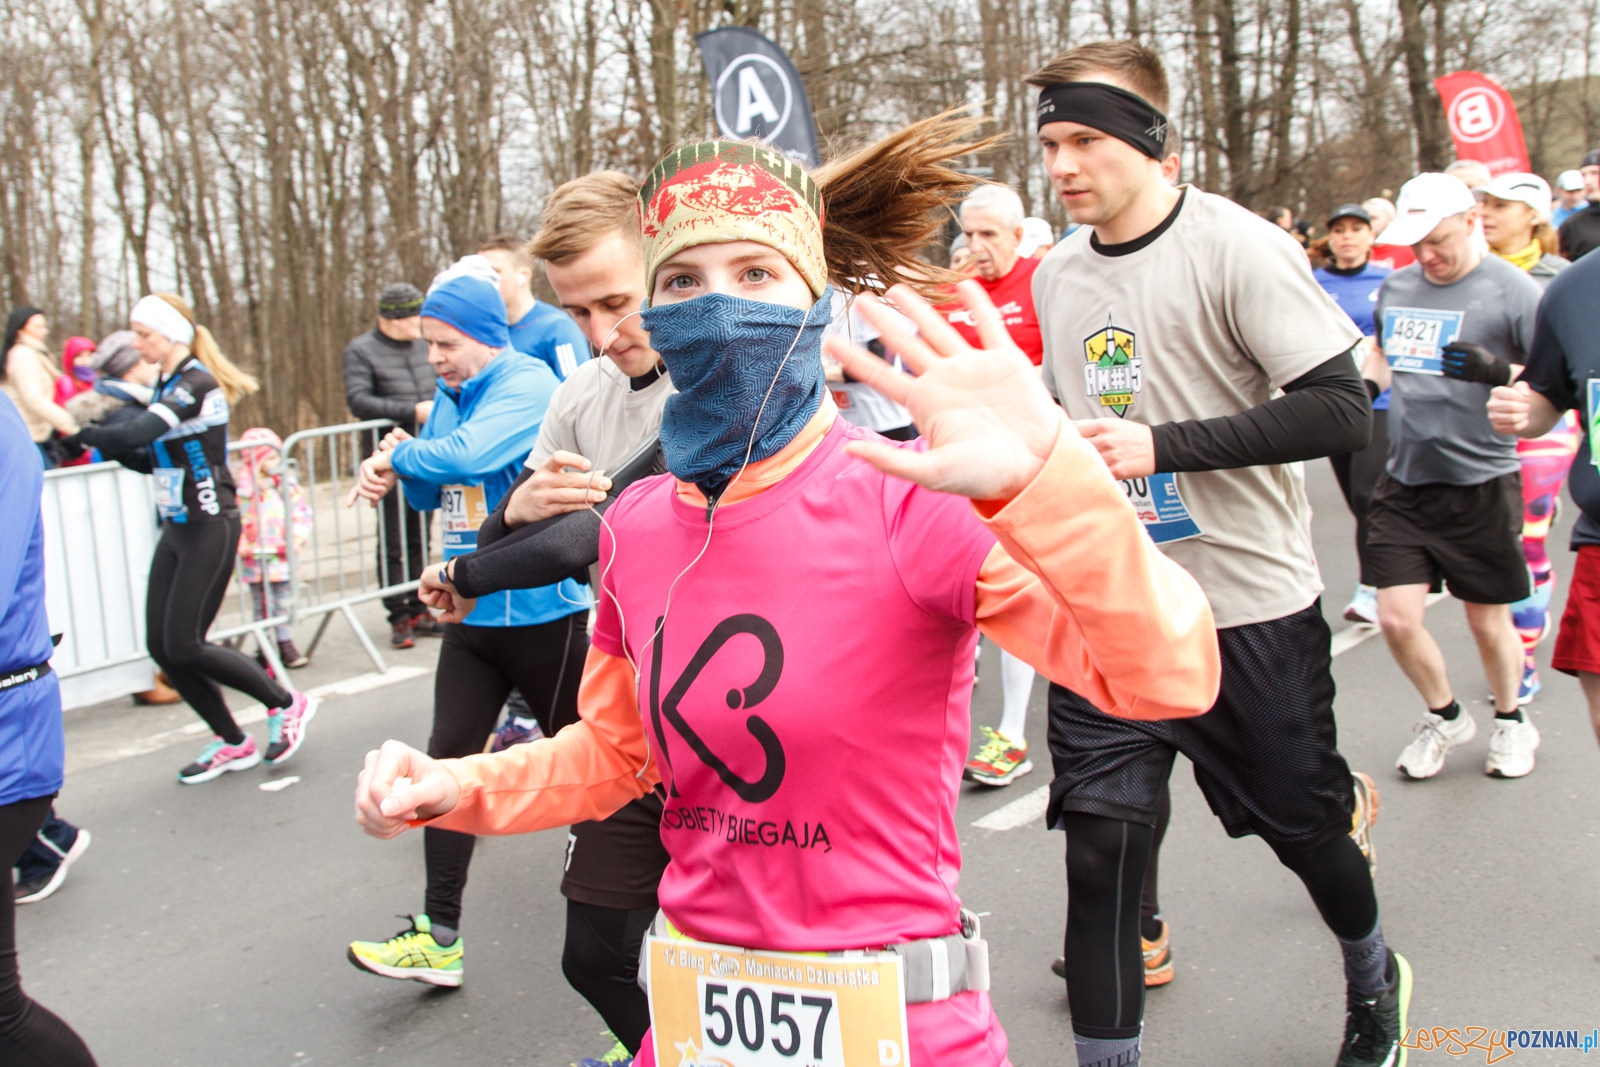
x=99, y=535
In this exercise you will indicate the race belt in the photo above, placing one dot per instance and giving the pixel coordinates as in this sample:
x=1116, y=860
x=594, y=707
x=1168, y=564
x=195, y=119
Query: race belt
x=25, y=675
x=724, y=1005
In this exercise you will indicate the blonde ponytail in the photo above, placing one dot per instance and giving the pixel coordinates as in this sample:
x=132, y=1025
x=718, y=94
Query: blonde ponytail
x=1545, y=234
x=235, y=383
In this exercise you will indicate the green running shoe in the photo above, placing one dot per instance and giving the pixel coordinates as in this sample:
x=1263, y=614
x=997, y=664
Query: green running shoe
x=1375, y=1027
x=619, y=1056
x=413, y=954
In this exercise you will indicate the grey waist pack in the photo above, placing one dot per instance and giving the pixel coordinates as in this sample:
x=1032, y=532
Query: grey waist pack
x=935, y=968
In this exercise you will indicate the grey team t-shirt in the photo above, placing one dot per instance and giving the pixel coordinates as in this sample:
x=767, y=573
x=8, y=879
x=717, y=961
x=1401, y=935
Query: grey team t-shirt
x=1439, y=427
x=1208, y=320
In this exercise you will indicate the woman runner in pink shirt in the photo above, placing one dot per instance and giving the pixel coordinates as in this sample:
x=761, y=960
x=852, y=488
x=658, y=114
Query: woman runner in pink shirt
x=717, y=669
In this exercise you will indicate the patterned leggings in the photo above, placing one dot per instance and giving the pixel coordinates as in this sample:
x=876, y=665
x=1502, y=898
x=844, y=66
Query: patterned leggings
x=1545, y=462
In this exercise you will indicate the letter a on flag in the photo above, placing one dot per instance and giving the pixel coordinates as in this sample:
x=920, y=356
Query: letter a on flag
x=757, y=93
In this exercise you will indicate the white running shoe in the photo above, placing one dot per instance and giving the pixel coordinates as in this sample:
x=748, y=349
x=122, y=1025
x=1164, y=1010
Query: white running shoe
x=1436, y=736
x=1511, y=749
x=1363, y=607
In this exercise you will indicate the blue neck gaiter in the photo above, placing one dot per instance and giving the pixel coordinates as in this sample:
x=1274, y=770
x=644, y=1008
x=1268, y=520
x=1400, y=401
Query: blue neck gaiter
x=723, y=353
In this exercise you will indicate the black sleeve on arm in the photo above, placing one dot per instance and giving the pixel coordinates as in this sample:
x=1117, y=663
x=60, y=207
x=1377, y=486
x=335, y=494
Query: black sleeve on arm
x=544, y=552
x=1547, y=372
x=1324, y=412
x=494, y=527
x=125, y=436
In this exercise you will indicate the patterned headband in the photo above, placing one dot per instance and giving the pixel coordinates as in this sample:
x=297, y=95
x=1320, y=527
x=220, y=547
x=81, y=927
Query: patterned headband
x=720, y=191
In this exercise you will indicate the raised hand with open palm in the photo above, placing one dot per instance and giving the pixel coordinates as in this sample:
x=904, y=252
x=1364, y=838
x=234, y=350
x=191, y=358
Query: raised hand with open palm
x=989, y=422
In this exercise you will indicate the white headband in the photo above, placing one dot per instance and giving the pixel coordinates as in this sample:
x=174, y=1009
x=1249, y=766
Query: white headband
x=163, y=318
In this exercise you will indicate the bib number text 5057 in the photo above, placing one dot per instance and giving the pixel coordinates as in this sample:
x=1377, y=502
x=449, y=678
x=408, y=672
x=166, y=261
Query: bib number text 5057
x=753, y=1024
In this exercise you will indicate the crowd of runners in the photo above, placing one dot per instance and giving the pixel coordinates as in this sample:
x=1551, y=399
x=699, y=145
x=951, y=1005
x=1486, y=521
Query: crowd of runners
x=758, y=398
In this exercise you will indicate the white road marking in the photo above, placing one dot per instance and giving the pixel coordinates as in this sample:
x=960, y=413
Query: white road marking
x=1031, y=806
x=252, y=713
x=278, y=784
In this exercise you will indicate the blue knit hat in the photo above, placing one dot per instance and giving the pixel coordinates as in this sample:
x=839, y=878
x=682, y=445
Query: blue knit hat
x=463, y=297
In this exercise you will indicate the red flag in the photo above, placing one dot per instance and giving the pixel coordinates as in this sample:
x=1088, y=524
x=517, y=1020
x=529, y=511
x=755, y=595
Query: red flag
x=1483, y=121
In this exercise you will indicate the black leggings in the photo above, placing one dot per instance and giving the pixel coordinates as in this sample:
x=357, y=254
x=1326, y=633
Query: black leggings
x=188, y=578
x=601, y=961
x=1106, y=862
x=1105, y=964
x=30, y=1035
x=1149, y=898
x=478, y=666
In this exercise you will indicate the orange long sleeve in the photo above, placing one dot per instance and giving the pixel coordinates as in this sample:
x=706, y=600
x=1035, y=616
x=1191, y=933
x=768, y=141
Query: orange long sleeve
x=587, y=771
x=1076, y=590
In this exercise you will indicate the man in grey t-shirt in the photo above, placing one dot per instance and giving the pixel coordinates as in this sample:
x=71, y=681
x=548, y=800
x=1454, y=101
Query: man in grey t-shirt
x=1453, y=326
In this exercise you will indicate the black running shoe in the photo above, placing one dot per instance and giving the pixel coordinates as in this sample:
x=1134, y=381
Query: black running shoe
x=1375, y=1026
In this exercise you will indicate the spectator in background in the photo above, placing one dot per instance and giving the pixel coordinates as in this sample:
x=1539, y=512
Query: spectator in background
x=386, y=376
x=960, y=252
x=1473, y=174
x=272, y=508
x=1394, y=257
x=1580, y=234
x=30, y=379
x=1037, y=238
x=123, y=386
x=78, y=373
x=1571, y=198
x=1352, y=279
x=537, y=329
x=77, y=378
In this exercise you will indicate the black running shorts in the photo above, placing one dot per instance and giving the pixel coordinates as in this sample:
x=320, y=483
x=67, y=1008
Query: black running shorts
x=1468, y=535
x=1265, y=755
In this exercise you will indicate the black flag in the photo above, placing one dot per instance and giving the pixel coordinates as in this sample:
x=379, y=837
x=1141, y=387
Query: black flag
x=758, y=93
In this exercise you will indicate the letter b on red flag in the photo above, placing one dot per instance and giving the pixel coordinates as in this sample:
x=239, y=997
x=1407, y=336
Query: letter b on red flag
x=1483, y=121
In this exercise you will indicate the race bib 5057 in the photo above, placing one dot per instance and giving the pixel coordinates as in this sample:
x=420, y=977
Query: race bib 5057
x=715, y=1006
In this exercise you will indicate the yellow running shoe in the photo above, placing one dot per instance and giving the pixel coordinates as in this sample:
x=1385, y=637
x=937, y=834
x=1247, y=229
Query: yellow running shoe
x=1365, y=815
x=412, y=954
x=1000, y=761
x=1158, y=958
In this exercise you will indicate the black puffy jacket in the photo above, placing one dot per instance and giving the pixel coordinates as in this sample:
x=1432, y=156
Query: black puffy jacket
x=385, y=379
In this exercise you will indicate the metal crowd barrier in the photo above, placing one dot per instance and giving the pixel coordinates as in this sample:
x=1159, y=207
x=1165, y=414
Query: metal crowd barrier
x=100, y=533
x=99, y=536
x=337, y=568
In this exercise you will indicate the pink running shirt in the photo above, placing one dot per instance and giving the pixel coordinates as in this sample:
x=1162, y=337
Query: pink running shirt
x=807, y=701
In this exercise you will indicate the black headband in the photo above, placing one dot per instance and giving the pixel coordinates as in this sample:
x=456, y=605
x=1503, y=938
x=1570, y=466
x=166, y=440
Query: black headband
x=1106, y=108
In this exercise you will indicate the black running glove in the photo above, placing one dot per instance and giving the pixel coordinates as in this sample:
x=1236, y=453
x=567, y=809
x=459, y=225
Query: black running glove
x=1473, y=363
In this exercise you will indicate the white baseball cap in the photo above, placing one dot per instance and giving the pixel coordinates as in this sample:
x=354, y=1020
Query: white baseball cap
x=1570, y=181
x=1423, y=203
x=1527, y=189
x=1036, y=233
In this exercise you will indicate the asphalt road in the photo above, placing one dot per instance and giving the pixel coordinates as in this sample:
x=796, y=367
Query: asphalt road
x=206, y=926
